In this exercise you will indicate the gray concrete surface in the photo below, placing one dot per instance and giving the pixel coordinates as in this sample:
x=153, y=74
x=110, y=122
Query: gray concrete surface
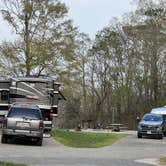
x=130, y=151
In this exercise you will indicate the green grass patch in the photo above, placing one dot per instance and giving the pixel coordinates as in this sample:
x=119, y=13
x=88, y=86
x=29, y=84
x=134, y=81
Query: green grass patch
x=163, y=161
x=10, y=164
x=86, y=139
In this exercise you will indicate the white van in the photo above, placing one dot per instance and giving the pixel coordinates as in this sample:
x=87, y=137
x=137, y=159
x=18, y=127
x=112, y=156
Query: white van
x=159, y=110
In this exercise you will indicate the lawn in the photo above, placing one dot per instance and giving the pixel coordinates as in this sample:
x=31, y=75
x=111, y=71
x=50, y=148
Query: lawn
x=163, y=161
x=86, y=139
x=10, y=164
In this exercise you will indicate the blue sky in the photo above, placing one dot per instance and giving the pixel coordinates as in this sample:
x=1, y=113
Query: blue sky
x=89, y=15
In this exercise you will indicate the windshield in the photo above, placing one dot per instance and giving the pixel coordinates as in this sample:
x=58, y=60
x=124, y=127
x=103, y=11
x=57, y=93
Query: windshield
x=155, y=118
x=24, y=113
x=43, y=87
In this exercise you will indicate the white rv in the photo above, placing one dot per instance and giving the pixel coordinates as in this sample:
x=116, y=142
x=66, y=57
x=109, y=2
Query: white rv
x=159, y=110
x=43, y=92
x=4, y=97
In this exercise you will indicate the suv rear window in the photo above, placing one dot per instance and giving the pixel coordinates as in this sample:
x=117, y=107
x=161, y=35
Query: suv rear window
x=24, y=112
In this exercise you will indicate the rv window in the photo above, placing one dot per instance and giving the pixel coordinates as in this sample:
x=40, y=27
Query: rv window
x=3, y=107
x=4, y=95
x=45, y=113
x=39, y=86
x=55, y=110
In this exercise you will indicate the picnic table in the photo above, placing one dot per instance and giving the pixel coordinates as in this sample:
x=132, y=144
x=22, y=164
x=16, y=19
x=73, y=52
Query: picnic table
x=116, y=127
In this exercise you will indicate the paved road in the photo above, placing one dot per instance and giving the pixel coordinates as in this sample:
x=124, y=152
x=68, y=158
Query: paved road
x=124, y=153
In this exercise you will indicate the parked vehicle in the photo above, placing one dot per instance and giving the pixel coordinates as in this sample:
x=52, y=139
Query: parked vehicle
x=43, y=92
x=3, y=111
x=23, y=121
x=152, y=125
x=159, y=110
x=4, y=98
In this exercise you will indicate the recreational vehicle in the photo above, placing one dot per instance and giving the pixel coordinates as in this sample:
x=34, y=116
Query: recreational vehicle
x=4, y=97
x=39, y=91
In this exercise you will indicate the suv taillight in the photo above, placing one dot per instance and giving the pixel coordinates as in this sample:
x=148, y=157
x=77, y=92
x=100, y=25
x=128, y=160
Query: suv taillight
x=52, y=109
x=41, y=125
x=4, y=122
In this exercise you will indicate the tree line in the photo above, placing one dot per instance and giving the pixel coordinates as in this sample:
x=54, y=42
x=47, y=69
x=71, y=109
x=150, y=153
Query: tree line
x=113, y=79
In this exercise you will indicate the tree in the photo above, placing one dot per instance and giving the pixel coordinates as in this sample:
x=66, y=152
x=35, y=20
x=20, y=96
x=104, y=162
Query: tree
x=127, y=66
x=9, y=60
x=45, y=34
x=152, y=32
x=106, y=70
x=84, y=44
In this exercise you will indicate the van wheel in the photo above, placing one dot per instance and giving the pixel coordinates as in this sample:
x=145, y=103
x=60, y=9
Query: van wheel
x=39, y=142
x=3, y=139
x=139, y=135
x=164, y=133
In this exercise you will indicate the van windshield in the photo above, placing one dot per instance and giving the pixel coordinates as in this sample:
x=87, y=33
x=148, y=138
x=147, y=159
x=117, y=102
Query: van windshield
x=155, y=118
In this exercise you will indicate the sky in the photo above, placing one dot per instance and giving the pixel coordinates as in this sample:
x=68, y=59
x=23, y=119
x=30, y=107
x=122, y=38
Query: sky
x=89, y=16
x=92, y=15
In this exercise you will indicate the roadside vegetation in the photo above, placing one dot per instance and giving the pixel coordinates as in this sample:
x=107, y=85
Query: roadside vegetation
x=163, y=161
x=86, y=139
x=10, y=164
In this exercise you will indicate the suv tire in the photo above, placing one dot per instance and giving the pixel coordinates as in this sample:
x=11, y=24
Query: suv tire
x=160, y=136
x=139, y=135
x=39, y=142
x=3, y=139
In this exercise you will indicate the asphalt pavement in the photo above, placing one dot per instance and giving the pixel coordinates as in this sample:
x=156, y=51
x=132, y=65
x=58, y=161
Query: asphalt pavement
x=130, y=151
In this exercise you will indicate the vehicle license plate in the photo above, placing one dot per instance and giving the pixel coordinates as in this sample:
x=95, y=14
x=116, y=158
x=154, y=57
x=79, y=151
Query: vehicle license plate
x=149, y=132
x=22, y=131
x=22, y=124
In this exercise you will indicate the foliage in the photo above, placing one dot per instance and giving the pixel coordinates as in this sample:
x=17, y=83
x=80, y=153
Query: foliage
x=124, y=70
x=163, y=161
x=45, y=35
x=71, y=110
x=85, y=139
x=126, y=67
x=10, y=164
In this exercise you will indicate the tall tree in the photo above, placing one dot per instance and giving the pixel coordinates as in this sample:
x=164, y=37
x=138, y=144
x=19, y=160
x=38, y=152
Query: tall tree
x=84, y=44
x=44, y=32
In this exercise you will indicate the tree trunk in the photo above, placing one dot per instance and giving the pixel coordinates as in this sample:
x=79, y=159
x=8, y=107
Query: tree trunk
x=27, y=44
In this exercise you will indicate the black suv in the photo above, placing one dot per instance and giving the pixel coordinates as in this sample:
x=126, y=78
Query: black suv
x=152, y=125
x=25, y=121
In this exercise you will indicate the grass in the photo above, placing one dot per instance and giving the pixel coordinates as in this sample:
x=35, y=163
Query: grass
x=86, y=139
x=10, y=164
x=163, y=161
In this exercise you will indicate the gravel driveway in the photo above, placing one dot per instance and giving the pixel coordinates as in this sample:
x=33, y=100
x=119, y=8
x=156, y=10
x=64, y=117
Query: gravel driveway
x=130, y=151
